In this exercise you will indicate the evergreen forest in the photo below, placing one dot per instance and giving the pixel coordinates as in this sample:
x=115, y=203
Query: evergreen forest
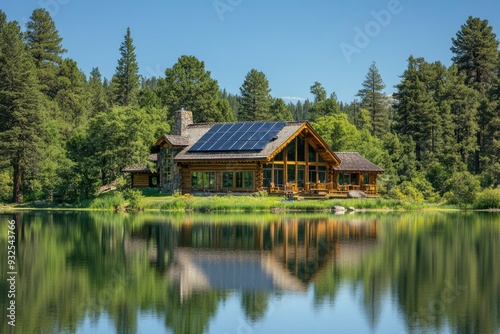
x=64, y=135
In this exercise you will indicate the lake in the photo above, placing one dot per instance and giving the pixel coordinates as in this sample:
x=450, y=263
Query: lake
x=102, y=272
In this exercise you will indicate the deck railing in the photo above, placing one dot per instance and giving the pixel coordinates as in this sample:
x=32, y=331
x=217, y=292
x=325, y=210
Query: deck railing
x=322, y=187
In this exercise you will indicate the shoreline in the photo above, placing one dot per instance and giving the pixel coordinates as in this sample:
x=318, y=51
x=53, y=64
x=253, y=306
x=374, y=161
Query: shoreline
x=245, y=204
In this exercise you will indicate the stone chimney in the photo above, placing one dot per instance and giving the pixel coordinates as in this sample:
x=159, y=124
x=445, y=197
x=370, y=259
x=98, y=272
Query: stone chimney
x=183, y=118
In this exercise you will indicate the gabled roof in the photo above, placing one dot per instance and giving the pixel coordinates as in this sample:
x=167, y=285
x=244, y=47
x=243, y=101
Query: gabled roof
x=354, y=162
x=173, y=140
x=291, y=129
x=207, y=269
x=138, y=169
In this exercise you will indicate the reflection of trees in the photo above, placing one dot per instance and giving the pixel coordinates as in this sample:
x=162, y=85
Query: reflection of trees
x=193, y=314
x=442, y=268
x=254, y=304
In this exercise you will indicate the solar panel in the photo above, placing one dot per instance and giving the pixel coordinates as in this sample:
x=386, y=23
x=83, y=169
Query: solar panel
x=237, y=137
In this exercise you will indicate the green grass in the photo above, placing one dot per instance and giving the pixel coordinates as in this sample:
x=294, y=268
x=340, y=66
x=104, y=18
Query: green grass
x=153, y=201
x=263, y=204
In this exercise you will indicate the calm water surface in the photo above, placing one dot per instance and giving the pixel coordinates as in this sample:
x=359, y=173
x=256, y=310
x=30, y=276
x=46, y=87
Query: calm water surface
x=82, y=272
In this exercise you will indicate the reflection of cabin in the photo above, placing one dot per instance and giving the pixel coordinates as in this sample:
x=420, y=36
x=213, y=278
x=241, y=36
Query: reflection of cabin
x=280, y=256
x=208, y=269
x=278, y=157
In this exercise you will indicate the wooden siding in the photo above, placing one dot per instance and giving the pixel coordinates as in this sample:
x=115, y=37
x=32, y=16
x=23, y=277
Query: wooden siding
x=140, y=180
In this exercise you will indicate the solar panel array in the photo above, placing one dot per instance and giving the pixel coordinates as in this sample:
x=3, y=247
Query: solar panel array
x=237, y=137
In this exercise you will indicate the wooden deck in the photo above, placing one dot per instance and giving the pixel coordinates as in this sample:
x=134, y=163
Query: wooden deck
x=322, y=190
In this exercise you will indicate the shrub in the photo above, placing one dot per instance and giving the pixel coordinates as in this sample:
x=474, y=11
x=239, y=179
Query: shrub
x=110, y=200
x=134, y=198
x=488, y=199
x=407, y=193
x=463, y=189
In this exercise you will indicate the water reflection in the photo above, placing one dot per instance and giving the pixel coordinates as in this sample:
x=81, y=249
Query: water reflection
x=283, y=255
x=82, y=272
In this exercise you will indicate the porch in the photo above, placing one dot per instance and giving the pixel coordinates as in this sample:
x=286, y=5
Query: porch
x=322, y=189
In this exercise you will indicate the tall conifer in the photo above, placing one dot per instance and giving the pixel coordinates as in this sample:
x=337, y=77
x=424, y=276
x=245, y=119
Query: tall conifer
x=374, y=100
x=255, y=98
x=127, y=73
x=44, y=43
x=20, y=103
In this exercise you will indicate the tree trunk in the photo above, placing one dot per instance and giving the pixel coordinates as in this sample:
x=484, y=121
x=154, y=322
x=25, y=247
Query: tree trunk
x=16, y=189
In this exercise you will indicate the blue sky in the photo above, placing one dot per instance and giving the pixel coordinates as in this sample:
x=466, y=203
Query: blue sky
x=295, y=43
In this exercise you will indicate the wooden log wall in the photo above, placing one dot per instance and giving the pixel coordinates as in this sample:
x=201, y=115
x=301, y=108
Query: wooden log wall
x=140, y=180
x=218, y=168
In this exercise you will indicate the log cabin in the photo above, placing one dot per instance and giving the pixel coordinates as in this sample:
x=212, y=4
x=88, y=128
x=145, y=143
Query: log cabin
x=246, y=157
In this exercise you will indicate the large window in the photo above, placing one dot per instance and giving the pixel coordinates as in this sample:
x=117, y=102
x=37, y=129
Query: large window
x=354, y=178
x=312, y=174
x=322, y=174
x=303, y=164
x=247, y=179
x=267, y=174
x=202, y=180
x=290, y=151
x=196, y=180
x=290, y=169
x=344, y=178
x=301, y=149
x=312, y=154
x=240, y=179
x=278, y=174
x=301, y=174
x=227, y=180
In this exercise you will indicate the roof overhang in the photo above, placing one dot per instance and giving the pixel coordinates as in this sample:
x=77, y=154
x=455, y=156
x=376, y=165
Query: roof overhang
x=321, y=147
x=172, y=141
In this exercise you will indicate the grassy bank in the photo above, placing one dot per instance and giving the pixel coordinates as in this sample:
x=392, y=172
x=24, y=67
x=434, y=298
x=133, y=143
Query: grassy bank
x=273, y=203
x=155, y=202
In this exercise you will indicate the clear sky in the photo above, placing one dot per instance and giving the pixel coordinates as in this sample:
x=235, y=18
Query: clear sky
x=295, y=43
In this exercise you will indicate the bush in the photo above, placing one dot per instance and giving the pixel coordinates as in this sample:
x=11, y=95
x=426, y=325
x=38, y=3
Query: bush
x=407, y=193
x=488, y=199
x=110, y=200
x=134, y=198
x=5, y=186
x=463, y=189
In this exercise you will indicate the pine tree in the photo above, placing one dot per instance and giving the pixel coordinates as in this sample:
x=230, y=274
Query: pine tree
x=20, y=104
x=374, y=100
x=322, y=106
x=225, y=109
x=98, y=101
x=44, y=42
x=462, y=103
x=3, y=20
x=255, y=98
x=72, y=95
x=416, y=113
x=475, y=51
x=318, y=91
x=280, y=110
x=187, y=84
x=127, y=73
